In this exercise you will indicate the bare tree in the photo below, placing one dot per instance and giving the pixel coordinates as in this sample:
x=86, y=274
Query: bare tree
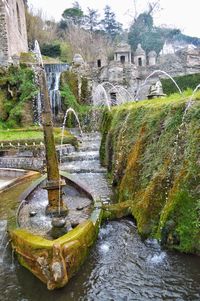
x=38, y=28
x=153, y=7
x=86, y=43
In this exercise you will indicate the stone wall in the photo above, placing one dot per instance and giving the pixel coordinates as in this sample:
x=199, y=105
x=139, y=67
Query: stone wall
x=13, y=35
x=3, y=35
x=22, y=163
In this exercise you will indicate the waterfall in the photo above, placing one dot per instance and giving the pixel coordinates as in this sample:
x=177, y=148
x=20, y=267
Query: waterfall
x=53, y=72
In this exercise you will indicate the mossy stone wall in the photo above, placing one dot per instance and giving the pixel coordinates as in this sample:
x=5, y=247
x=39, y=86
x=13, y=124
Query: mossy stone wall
x=153, y=159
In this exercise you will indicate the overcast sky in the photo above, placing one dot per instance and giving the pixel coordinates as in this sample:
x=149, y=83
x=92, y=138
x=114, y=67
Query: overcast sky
x=182, y=14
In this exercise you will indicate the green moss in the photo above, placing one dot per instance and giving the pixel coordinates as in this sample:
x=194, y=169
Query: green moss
x=84, y=91
x=116, y=211
x=27, y=58
x=154, y=161
x=71, y=79
x=3, y=112
x=105, y=127
x=69, y=251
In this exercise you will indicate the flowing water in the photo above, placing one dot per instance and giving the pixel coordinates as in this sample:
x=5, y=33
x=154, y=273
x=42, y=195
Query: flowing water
x=53, y=72
x=152, y=74
x=108, y=94
x=120, y=266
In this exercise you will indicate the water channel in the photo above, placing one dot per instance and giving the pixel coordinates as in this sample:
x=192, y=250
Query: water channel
x=120, y=267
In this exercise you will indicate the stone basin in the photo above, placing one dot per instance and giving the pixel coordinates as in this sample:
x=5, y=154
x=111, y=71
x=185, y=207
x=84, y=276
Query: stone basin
x=11, y=176
x=55, y=261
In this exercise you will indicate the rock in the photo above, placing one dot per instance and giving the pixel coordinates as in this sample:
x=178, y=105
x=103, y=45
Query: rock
x=32, y=213
x=80, y=208
x=74, y=224
x=58, y=222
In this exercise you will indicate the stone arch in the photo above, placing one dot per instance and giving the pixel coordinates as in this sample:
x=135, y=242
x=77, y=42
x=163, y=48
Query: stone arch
x=122, y=59
x=140, y=61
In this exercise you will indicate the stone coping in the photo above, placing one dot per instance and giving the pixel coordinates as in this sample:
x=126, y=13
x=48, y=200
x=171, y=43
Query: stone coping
x=24, y=175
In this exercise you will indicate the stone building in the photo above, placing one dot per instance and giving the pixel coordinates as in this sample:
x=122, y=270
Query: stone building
x=128, y=71
x=140, y=56
x=123, y=53
x=13, y=34
x=152, y=57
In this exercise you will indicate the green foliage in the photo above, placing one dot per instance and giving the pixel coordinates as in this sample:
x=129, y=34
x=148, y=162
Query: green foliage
x=154, y=162
x=73, y=15
x=52, y=50
x=66, y=54
x=91, y=19
x=69, y=100
x=19, y=87
x=84, y=90
x=184, y=82
x=111, y=27
x=71, y=79
x=27, y=58
x=152, y=38
x=178, y=36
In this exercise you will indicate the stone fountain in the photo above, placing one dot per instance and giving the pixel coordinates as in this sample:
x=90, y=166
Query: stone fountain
x=156, y=90
x=54, y=183
x=55, y=261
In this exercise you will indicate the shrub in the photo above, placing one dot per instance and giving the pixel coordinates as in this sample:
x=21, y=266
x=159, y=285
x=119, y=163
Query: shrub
x=52, y=50
x=184, y=82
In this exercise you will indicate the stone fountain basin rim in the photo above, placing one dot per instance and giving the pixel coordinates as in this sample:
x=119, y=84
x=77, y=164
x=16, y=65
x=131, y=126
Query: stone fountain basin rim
x=47, y=259
x=24, y=174
x=54, y=262
x=71, y=180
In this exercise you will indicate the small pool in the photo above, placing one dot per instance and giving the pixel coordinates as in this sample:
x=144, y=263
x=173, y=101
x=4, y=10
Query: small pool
x=10, y=176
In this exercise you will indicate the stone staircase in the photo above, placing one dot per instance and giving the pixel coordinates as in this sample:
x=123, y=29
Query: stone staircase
x=85, y=164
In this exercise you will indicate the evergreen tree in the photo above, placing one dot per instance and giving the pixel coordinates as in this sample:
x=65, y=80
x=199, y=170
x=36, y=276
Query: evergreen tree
x=151, y=38
x=140, y=29
x=73, y=15
x=91, y=19
x=110, y=26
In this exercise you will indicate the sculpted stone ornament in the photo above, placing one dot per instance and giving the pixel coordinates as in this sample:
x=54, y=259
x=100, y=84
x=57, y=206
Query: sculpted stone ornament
x=156, y=90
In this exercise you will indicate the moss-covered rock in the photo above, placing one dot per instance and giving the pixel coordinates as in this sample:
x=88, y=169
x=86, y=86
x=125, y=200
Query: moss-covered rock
x=71, y=79
x=152, y=152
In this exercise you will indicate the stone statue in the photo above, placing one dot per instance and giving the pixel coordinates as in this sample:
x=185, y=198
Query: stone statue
x=156, y=90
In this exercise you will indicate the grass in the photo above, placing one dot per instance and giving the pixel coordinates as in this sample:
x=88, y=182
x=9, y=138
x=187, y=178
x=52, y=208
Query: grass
x=21, y=134
x=32, y=134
